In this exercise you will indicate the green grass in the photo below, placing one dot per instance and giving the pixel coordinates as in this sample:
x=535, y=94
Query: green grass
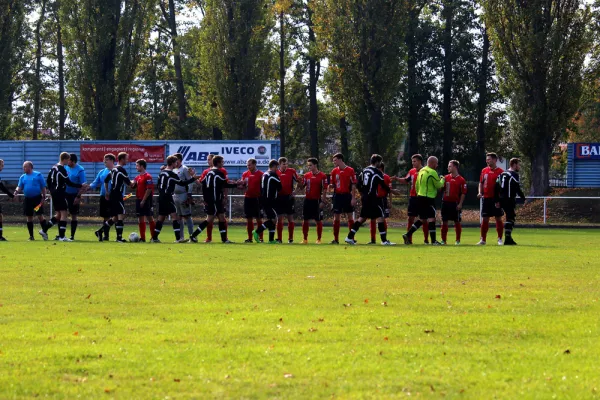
x=108, y=320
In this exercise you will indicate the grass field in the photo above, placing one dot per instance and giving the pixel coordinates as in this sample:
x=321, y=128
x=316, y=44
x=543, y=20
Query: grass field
x=108, y=320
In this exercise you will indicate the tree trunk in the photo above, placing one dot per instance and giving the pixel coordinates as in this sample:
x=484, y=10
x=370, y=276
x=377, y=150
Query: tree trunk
x=282, y=131
x=217, y=133
x=413, y=106
x=37, y=87
x=447, y=89
x=313, y=113
x=344, y=138
x=540, y=167
x=250, y=131
x=62, y=104
x=482, y=102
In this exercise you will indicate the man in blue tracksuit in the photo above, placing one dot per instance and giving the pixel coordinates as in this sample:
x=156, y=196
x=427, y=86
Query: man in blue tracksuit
x=109, y=163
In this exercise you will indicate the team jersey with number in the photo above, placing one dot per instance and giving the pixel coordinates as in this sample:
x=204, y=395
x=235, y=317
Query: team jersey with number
x=144, y=182
x=508, y=186
x=454, y=188
x=58, y=179
x=252, y=180
x=118, y=178
x=488, y=179
x=288, y=178
x=315, y=184
x=371, y=180
x=387, y=181
x=213, y=184
x=343, y=179
x=270, y=185
x=168, y=180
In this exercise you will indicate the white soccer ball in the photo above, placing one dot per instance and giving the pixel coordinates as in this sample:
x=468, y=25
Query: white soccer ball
x=134, y=237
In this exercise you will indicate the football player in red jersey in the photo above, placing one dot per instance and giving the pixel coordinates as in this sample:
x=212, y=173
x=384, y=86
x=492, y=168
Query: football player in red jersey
x=487, y=190
x=315, y=182
x=455, y=191
x=143, y=198
x=411, y=178
x=286, y=201
x=343, y=182
x=251, y=181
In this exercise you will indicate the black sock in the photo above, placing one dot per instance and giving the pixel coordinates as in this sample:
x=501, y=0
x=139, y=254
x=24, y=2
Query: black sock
x=73, y=228
x=106, y=229
x=354, y=229
x=261, y=229
x=62, y=228
x=119, y=228
x=1, y=229
x=272, y=227
x=200, y=228
x=223, y=231
x=508, y=228
x=415, y=227
x=30, y=228
x=432, y=232
x=157, y=229
x=49, y=224
x=382, y=231
x=177, y=229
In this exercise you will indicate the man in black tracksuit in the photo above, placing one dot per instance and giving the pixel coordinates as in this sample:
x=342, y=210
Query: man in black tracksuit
x=508, y=186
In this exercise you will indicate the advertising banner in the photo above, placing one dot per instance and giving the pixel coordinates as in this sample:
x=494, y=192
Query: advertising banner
x=96, y=152
x=587, y=151
x=234, y=154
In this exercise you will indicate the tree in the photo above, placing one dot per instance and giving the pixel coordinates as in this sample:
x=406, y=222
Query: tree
x=37, y=86
x=539, y=47
x=237, y=54
x=104, y=39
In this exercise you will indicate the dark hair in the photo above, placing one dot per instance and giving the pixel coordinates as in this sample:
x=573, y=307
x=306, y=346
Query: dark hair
x=282, y=160
x=273, y=163
x=73, y=157
x=313, y=160
x=122, y=155
x=179, y=156
x=382, y=167
x=110, y=156
x=418, y=157
x=455, y=163
x=514, y=161
x=171, y=160
x=493, y=155
x=217, y=160
x=65, y=156
x=142, y=163
x=376, y=158
x=339, y=156
x=251, y=160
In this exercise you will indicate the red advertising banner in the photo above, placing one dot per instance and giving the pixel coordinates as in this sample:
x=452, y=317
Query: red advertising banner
x=96, y=152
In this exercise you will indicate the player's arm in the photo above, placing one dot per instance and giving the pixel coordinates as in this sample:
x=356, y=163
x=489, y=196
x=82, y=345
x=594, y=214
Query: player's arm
x=438, y=181
x=480, y=193
x=519, y=191
x=19, y=188
x=106, y=186
x=405, y=180
x=147, y=195
x=5, y=190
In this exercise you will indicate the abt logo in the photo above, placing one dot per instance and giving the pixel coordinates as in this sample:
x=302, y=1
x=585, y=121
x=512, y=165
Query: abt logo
x=588, y=150
x=198, y=156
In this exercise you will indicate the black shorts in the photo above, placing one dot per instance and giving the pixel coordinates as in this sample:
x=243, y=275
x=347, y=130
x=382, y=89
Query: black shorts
x=59, y=201
x=117, y=205
x=252, y=207
x=73, y=208
x=270, y=209
x=413, y=208
x=450, y=213
x=426, y=207
x=372, y=208
x=147, y=210
x=286, y=205
x=312, y=210
x=342, y=203
x=386, y=207
x=30, y=203
x=104, y=211
x=489, y=209
x=166, y=205
x=212, y=207
x=509, y=206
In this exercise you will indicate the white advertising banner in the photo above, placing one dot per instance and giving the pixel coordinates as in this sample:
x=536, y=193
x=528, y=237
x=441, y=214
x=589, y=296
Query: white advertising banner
x=235, y=154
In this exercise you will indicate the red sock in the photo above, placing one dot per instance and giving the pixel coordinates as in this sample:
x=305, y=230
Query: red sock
x=458, y=228
x=336, y=230
x=259, y=222
x=485, y=225
x=209, y=229
x=426, y=231
x=305, y=229
x=249, y=228
x=411, y=221
x=291, y=226
x=373, y=229
x=152, y=227
x=444, y=230
x=142, y=226
x=499, y=228
x=319, y=229
x=350, y=223
x=280, y=230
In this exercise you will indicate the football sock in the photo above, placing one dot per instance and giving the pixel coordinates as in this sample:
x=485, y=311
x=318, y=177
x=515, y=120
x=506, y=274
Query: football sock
x=373, y=229
x=499, y=228
x=0, y=229
x=305, y=229
x=291, y=226
x=426, y=231
x=142, y=226
x=445, y=231
x=157, y=230
x=30, y=228
x=106, y=228
x=279, y=229
x=209, y=229
x=200, y=228
x=336, y=230
x=414, y=227
x=458, y=228
x=62, y=228
x=249, y=228
x=485, y=225
x=508, y=227
x=354, y=229
x=177, y=229
x=119, y=228
x=432, y=232
x=190, y=225
x=382, y=231
x=350, y=223
x=411, y=221
x=259, y=222
x=49, y=224
x=74, y=228
x=319, y=229
x=223, y=230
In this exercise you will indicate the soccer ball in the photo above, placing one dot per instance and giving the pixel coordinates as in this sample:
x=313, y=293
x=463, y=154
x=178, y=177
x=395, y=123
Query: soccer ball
x=134, y=237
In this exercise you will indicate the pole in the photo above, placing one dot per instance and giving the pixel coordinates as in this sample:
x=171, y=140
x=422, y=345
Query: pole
x=545, y=208
x=229, y=208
